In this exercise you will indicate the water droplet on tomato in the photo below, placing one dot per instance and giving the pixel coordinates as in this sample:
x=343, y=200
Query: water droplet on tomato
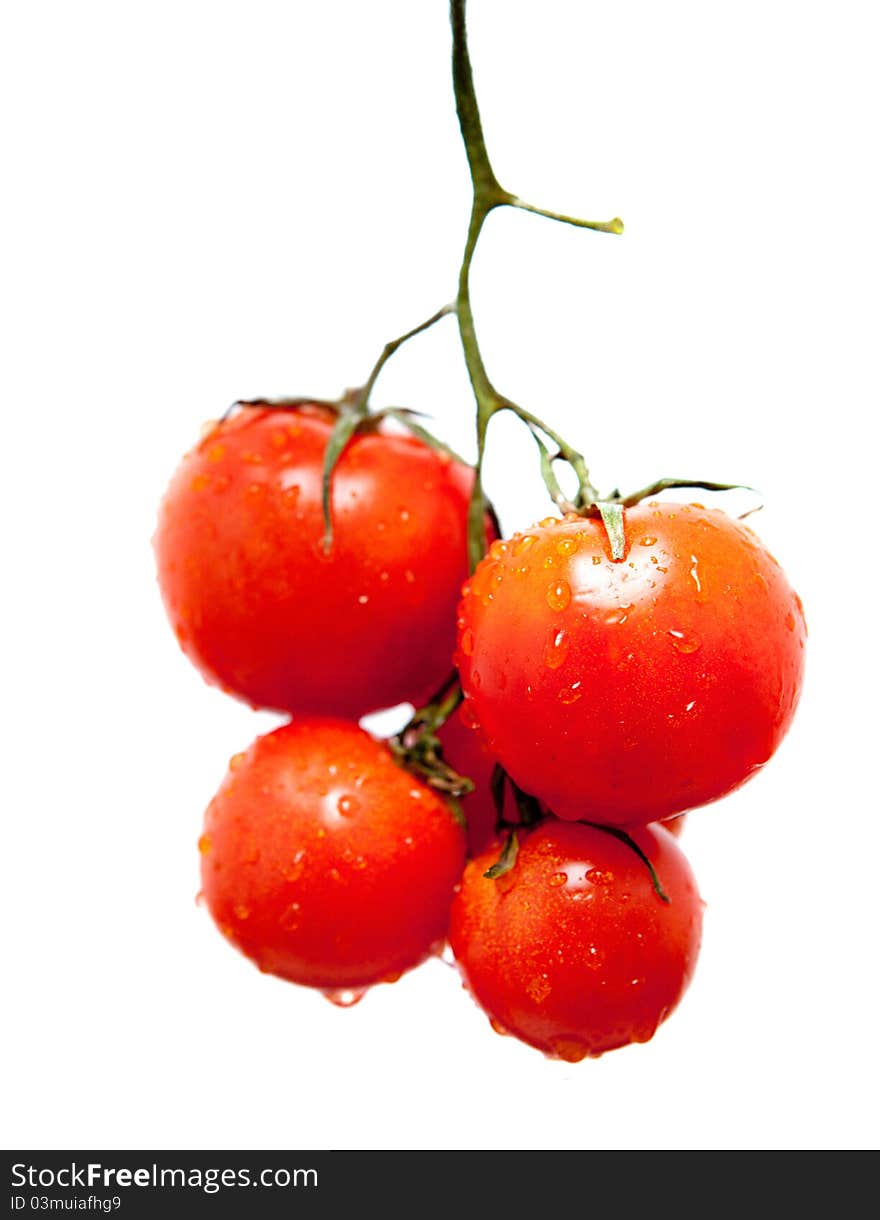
x=596, y=560
x=344, y=997
x=468, y=715
x=571, y=694
x=363, y=599
x=215, y=453
x=241, y=910
x=648, y=540
x=347, y=806
x=499, y=1028
x=558, y=595
x=557, y=879
x=498, y=549
x=566, y=546
x=289, y=918
x=522, y=544
x=556, y=650
x=204, y=844
x=599, y=876
x=684, y=642
x=200, y=898
x=467, y=642
x=200, y=482
x=789, y=621
x=571, y=1050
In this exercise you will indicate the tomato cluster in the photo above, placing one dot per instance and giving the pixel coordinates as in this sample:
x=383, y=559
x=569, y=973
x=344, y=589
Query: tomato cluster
x=602, y=699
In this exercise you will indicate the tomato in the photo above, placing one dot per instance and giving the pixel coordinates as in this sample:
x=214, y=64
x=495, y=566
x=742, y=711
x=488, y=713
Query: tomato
x=467, y=753
x=265, y=613
x=325, y=863
x=630, y=691
x=573, y=951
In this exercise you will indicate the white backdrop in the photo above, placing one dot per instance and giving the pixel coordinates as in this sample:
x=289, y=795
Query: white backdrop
x=207, y=201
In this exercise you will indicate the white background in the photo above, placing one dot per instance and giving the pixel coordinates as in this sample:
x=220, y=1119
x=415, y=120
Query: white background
x=206, y=201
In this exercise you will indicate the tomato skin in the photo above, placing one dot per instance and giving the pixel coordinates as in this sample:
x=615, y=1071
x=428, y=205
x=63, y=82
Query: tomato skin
x=265, y=613
x=325, y=863
x=626, y=692
x=572, y=951
x=468, y=754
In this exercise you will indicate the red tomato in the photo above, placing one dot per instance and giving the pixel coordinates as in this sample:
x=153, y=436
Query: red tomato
x=467, y=753
x=324, y=862
x=626, y=692
x=573, y=951
x=260, y=608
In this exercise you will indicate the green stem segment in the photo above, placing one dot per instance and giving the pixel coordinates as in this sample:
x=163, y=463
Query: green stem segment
x=488, y=194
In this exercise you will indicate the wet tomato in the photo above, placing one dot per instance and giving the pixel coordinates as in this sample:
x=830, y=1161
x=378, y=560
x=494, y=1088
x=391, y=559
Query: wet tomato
x=630, y=691
x=325, y=863
x=573, y=951
x=265, y=612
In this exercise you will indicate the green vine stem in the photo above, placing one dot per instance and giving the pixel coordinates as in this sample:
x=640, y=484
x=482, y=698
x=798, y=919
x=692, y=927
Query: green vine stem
x=488, y=194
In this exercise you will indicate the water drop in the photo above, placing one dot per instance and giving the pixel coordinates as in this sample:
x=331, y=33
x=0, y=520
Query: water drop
x=498, y=549
x=404, y=515
x=347, y=806
x=467, y=642
x=278, y=438
x=599, y=876
x=558, y=595
x=571, y=694
x=571, y=1050
x=344, y=997
x=545, y=522
x=241, y=910
x=200, y=482
x=215, y=453
x=289, y=919
x=789, y=621
x=566, y=546
x=556, y=650
x=363, y=599
x=522, y=544
x=200, y=898
x=499, y=1028
x=596, y=560
x=558, y=879
x=682, y=642
x=648, y=540
x=205, y=844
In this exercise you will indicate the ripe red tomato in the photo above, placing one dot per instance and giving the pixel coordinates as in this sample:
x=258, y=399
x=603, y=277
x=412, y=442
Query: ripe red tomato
x=325, y=863
x=573, y=951
x=626, y=692
x=265, y=613
x=468, y=754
